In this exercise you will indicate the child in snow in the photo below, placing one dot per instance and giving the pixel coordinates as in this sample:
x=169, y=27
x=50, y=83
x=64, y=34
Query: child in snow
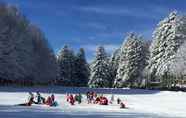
x=88, y=97
x=91, y=97
x=122, y=105
x=67, y=97
x=40, y=99
x=79, y=98
x=103, y=101
x=76, y=97
x=95, y=95
x=30, y=100
x=54, y=103
x=49, y=101
x=53, y=97
x=72, y=100
x=97, y=100
x=118, y=101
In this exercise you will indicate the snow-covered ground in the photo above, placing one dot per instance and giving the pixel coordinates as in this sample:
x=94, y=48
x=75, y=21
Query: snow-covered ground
x=141, y=103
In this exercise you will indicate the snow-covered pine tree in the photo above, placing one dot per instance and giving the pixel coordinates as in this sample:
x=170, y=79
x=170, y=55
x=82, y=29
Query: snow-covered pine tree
x=18, y=60
x=45, y=64
x=132, y=62
x=167, y=38
x=114, y=63
x=82, y=71
x=8, y=63
x=66, y=62
x=100, y=70
x=178, y=66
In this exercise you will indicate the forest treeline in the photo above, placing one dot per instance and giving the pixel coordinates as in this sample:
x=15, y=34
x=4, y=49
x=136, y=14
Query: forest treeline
x=27, y=59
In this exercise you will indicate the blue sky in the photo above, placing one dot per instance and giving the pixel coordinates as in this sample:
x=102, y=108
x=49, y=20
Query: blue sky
x=88, y=23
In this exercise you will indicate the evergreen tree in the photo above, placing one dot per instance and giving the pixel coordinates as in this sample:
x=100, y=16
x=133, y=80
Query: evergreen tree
x=178, y=66
x=45, y=69
x=66, y=62
x=82, y=69
x=100, y=70
x=167, y=38
x=114, y=63
x=18, y=60
x=132, y=62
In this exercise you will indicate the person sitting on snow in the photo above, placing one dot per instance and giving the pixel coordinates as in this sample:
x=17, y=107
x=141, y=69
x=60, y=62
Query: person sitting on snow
x=79, y=98
x=95, y=95
x=30, y=100
x=103, y=101
x=122, y=105
x=49, y=101
x=67, y=97
x=54, y=103
x=53, y=97
x=76, y=97
x=97, y=100
x=88, y=97
x=91, y=97
x=40, y=99
x=72, y=100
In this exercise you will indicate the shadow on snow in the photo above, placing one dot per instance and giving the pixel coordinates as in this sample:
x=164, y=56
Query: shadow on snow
x=57, y=89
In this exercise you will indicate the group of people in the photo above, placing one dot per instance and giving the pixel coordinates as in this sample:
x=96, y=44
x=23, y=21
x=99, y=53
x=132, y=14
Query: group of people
x=72, y=99
x=38, y=99
x=92, y=98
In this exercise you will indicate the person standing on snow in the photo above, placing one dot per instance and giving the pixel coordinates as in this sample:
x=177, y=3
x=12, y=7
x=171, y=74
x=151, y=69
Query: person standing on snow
x=118, y=101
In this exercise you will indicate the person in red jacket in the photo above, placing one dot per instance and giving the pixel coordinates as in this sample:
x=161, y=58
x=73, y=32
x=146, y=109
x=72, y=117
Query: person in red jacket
x=104, y=101
x=49, y=101
x=72, y=100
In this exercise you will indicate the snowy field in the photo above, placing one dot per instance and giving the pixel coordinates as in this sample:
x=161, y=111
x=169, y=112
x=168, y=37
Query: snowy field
x=141, y=103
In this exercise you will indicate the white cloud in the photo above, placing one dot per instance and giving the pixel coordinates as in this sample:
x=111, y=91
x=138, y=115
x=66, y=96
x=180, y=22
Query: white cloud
x=151, y=11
